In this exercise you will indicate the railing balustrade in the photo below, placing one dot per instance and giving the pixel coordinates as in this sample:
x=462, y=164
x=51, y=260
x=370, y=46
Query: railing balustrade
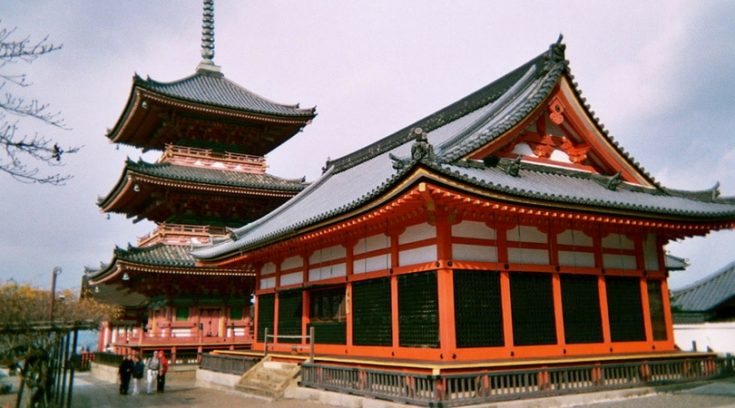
x=226, y=364
x=492, y=386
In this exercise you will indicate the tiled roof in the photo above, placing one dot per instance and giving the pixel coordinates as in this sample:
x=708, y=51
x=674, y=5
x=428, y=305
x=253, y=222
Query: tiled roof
x=198, y=175
x=355, y=179
x=705, y=295
x=214, y=176
x=214, y=89
x=157, y=254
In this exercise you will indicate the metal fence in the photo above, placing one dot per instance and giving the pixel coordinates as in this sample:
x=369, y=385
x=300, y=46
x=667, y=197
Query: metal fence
x=493, y=386
x=227, y=364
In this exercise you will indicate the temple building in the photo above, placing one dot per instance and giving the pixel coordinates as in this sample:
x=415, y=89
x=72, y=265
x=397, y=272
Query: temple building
x=211, y=176
x=704, y=313
x=508, y=229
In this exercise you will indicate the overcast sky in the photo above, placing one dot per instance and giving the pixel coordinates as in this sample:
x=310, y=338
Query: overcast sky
x=659, y=75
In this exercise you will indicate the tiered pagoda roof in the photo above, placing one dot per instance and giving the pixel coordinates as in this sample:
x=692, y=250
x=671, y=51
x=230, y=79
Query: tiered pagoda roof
x=205, y=109
x=527, y=139
x=166, y=192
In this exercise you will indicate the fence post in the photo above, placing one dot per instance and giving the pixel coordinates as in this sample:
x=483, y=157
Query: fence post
x=311, y=344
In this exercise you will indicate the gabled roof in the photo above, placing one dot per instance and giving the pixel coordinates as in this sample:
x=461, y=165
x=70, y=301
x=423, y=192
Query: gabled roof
x=706, y=294
x=449, y=138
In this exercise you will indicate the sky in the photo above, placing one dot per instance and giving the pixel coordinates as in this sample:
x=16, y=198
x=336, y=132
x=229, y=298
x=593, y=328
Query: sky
x=659, y=74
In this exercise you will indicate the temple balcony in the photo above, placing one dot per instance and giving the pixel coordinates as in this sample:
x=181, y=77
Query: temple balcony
x=209, y=159
x=182, y=336
x=181, y=234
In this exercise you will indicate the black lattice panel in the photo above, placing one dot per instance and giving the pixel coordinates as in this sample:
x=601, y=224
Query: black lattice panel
x=532, y=306
x=478, y=313
x=581, y=307
x=371, y=313
x=418, y=310
x=265, y=315
x=289, y=316
x=625, y=311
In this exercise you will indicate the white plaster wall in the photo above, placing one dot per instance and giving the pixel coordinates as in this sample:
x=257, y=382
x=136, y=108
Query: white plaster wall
x=617, y=241
x=462, y=252
x=417, y=232
x=719, y=337
x=326, y=272
x=650, y=252
x=328, y=254
x=373, y=263
x=417, y=255
x=292, y=278
x=268, y=268
x=577, y=259
x=617, y=261
x=267, y=283
x=292, y=262
x=574, y=237
x=528, y=256
x=473, y=229
x=371, y=243
x=525, y=233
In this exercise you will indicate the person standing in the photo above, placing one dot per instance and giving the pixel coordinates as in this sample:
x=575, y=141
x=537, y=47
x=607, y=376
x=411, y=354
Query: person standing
x=124, y=371
x=152, y=366
x=161, y=379
x=138, y=371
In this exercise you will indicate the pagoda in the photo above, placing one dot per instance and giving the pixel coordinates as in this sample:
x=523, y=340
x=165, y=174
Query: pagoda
x=507, y=231
x=211, y=176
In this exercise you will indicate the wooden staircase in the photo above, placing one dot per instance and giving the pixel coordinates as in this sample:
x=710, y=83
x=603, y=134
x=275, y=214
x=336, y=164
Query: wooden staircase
x=268, y=379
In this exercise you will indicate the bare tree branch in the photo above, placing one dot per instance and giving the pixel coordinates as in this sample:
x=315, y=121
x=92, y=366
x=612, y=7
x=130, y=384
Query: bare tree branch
x=22, y=153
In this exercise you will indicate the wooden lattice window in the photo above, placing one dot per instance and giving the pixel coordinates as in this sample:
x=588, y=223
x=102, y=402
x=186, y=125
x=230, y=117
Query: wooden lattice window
x=289, y=316
x=418, y=310
x=371, y=313
x=327, y=315
x=625, y=311
x=581, y=307
x=265, y=306
x=532, y=308
x=478, y=313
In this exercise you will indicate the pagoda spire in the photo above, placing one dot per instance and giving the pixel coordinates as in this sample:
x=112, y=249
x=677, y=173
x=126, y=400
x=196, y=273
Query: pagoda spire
x=207, y=63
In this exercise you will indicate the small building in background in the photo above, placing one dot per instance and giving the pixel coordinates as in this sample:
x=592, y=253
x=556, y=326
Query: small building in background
x=704, y=313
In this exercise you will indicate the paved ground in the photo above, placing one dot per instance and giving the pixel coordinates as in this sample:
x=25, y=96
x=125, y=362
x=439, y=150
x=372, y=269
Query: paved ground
x=90, y=392
x=719, y=393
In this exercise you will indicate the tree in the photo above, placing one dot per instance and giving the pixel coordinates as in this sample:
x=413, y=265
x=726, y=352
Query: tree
x=27, y=334
x=21, y=153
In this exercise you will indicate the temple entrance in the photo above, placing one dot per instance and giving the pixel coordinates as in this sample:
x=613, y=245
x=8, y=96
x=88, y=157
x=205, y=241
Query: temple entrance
x=210, y=322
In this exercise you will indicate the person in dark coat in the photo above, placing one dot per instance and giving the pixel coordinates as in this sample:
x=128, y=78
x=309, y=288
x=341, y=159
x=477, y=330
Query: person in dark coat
x=161, y=379
x=124, y=371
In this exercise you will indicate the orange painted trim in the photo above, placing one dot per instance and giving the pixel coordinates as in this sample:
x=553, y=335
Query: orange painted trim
x=368, y=275
x=558, y=309
x=604, y=312
x=506, y=307
x=667, y=310
x=646, y=310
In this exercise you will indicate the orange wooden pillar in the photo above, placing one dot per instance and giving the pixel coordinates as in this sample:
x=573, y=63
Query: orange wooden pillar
x=556, y=289
x=646, y=310
x=445, y=288
x=349, y=267
x=505, y=301
x=668, y=319
x=394, y=291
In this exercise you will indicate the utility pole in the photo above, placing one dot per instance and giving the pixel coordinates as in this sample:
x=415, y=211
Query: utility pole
x=54, y=273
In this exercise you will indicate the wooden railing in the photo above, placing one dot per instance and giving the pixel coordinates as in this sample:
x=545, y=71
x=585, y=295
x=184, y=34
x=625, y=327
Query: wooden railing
x=227, y=364
x=493, y=386
x=208, y=158
x=180, y=234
